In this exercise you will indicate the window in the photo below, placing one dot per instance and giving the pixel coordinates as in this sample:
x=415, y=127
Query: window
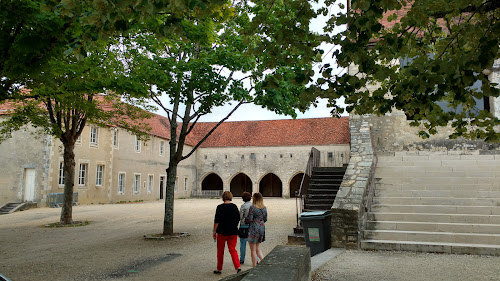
x=175, y=185
x=99, y=174
x=61, y=173
x=150, y=183
x=330, y=154
x=162, y=148
x=252, y=155
x=137, y=144
x=137, y=183
x=93, y=135
x=79, y=139
x=121, y=182
x=185, y=184
x=82, y=174
x=115, y=137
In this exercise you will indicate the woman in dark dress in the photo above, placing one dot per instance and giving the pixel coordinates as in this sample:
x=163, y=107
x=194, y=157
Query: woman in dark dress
x=257, y=216
x=226, y=222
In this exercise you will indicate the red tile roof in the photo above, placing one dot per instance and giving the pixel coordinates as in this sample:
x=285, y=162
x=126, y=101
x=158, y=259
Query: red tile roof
x=313, y=131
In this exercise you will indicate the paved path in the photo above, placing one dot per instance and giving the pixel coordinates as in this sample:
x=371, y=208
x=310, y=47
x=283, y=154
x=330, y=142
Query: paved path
x=408, y=266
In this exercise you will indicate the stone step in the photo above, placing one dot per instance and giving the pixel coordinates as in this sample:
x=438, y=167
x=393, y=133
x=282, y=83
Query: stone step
x=403, y=170
x=437, y=180
x=324, y=186
x=431, y=247
x=326, y=180
x=436, y=209
x=430, y=236
x=435, y=227
x=309, y=201
x=326, y=191
x=318, y=206
x=443, y=218
x=437, y=193
x=458, y=187
x=437, y=201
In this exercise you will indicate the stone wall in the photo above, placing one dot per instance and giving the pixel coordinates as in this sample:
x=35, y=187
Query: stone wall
x=256, y=162
x=347, y=207
x=25, y=150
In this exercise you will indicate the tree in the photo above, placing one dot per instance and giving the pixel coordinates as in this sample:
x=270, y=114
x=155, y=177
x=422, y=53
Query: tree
x=32, y=32
x=260, y=52
x=447, y=45
x=62, y=101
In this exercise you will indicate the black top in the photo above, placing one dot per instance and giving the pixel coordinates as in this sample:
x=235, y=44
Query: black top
x=228, y=217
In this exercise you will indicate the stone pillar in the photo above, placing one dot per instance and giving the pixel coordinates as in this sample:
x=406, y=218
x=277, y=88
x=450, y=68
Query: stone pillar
x=348, y=206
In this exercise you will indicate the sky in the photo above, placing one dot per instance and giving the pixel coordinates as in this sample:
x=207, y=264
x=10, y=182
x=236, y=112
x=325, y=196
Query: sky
x=248, y=112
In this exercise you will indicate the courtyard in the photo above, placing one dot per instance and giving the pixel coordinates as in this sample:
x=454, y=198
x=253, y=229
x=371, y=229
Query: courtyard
x=112, y=247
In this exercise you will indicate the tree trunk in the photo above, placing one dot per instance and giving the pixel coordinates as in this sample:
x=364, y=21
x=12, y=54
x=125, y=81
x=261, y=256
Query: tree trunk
x=69, y=182
x=168, y=219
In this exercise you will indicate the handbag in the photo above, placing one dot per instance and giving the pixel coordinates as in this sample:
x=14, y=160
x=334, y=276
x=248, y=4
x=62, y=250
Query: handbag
x=243, y=232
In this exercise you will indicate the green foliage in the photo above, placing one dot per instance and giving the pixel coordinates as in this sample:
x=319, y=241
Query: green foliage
x=449, y=44
x=35, y=31
x=264, y=58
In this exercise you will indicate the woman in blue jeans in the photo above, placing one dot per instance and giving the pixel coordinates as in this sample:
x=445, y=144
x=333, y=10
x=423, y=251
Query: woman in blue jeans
x=243, y=215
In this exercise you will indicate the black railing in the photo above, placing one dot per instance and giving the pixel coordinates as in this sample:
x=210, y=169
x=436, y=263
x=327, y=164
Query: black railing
x=314, y=161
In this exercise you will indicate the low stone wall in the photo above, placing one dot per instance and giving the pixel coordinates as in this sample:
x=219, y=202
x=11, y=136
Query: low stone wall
x=283, y=263
x=347, y=208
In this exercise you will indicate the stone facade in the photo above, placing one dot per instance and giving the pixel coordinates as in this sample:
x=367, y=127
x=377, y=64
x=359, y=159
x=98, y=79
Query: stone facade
x=256, y=162
x=113, y=166
x=26, y=150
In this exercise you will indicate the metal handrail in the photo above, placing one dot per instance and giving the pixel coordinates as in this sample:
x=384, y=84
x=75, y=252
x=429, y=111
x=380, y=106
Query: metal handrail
x=312, y=162
x=369, y=194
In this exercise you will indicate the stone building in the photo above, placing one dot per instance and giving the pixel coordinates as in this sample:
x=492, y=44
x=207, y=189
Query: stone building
x=113, y=166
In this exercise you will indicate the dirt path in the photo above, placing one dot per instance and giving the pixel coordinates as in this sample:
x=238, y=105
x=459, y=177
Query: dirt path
x=112, y=247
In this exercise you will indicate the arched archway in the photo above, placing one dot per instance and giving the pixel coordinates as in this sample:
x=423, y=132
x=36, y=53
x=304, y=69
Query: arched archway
x=295, y=184
x=212, y=182
x=240, y=183
x=270, y=186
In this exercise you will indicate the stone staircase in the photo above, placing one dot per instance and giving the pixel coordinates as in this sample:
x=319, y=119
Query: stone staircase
x=13, y=207
x=323, y=187
x=436, y=202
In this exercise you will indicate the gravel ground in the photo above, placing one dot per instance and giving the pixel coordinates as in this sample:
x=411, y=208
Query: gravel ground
x=112, y=246
x=402, y=266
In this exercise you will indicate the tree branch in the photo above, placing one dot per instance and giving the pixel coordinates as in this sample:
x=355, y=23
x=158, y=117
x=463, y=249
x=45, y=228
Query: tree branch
x=212, y=130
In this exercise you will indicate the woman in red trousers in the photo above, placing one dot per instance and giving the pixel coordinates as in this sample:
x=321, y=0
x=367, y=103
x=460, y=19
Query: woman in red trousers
x=226, y=222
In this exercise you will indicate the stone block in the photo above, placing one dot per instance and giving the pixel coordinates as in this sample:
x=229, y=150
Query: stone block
x=283, y=263
x=429, y=248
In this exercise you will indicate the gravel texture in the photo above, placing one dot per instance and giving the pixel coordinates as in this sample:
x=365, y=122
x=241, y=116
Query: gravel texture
x=402, y=266
x=112, y=246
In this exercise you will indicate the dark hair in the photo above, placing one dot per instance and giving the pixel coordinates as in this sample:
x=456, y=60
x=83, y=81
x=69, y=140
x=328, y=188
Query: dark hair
x=227, y=195
x=246, y=196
